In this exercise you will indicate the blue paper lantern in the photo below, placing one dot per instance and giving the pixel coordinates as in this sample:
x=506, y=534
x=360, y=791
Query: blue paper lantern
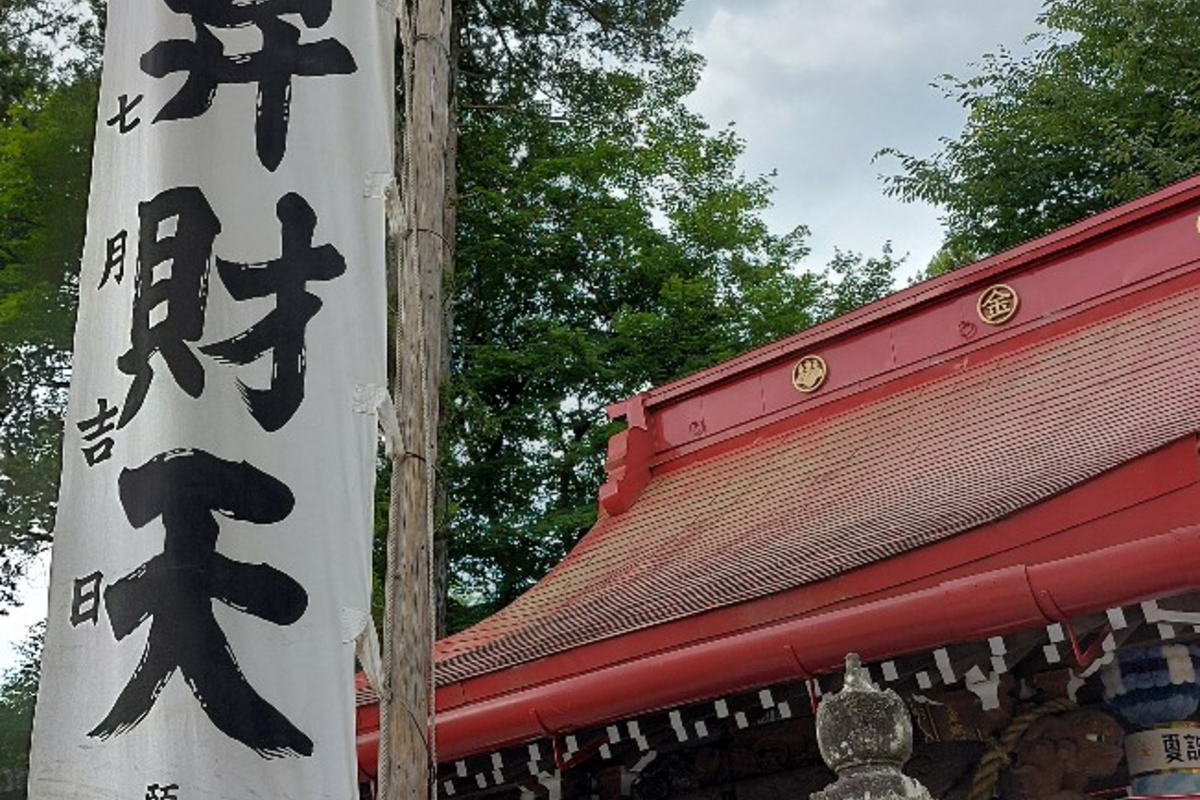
x=1153, y=685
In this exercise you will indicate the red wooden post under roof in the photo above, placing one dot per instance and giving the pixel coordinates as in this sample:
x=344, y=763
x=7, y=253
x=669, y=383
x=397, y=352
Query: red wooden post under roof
x=939, y=475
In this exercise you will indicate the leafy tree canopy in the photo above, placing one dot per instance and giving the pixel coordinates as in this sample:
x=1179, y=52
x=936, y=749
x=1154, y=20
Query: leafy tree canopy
x=18, y=694
x=1105, y=108
x=606, y=242
x=45, y=158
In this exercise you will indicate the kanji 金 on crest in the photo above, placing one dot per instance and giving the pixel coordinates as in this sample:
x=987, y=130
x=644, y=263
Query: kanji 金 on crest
x=998, y=304
x=809, y=374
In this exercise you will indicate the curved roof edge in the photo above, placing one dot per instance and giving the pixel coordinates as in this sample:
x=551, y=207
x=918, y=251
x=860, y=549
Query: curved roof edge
x=990, y=603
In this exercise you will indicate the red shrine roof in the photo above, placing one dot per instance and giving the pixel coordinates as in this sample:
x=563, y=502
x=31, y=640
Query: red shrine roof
x=842, y=490
x=931, y=423
x=943, y=457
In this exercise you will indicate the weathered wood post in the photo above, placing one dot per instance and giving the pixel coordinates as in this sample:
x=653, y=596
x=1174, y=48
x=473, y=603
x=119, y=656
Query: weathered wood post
x=408, y=751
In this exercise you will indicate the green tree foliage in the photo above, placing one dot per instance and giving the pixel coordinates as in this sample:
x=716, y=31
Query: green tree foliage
x=45, y=157
x=606, y=242
x=1105, y=108
x=18, y=694
x=28, y=29
x=44, y=43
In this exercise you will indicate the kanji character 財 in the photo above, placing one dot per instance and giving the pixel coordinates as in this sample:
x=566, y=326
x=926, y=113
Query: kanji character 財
x=282, y=330
x=178, y=227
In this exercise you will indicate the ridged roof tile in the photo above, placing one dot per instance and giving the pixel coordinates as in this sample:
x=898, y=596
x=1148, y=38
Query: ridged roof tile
x=840, y=492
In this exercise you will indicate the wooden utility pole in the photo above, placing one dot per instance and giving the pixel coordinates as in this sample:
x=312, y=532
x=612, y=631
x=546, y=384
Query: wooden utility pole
x=408, y=753
x=441, y=537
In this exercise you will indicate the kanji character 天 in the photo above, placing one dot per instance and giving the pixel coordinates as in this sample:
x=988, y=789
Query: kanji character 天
x=175, y=590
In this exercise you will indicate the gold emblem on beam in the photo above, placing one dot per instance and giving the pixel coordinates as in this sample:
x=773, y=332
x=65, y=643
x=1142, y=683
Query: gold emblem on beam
x=809, y=374
x=998, y=304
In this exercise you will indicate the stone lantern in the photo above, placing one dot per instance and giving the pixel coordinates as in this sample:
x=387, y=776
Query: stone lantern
x=865, y=736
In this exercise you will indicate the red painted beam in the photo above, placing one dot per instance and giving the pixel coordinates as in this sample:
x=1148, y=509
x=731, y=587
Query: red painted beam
x=999, y=601
x=1127, y=219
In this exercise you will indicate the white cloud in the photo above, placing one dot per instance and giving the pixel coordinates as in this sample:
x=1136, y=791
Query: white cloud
x=817, y=87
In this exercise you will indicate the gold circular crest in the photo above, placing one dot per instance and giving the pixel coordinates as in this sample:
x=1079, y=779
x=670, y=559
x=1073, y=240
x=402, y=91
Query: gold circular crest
x=998, y=304
x=809, y=374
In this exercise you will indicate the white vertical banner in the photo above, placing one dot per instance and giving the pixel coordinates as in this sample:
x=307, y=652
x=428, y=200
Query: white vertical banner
x=211, y=562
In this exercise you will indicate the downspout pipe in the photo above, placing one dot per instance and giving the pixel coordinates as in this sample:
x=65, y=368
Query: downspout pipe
x=967, y=609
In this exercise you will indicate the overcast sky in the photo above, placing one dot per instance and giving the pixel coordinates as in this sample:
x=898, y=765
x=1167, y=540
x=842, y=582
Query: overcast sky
x=816, y=87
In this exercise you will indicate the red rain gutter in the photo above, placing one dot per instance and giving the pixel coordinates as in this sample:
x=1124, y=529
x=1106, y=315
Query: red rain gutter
x=1000, y=601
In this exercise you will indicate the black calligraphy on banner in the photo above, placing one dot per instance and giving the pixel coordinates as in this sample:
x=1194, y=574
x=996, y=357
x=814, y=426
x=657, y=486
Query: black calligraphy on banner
x=85, y=600
x=176, y=230
x=98, y=446
x=123, y=120
x=114, y=259
x=175, y=590
x=282, y=330
x=162, y=791
x=272, y=68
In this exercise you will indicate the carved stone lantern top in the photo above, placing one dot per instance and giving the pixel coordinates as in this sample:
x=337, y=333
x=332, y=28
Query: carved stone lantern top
x=865, y=736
